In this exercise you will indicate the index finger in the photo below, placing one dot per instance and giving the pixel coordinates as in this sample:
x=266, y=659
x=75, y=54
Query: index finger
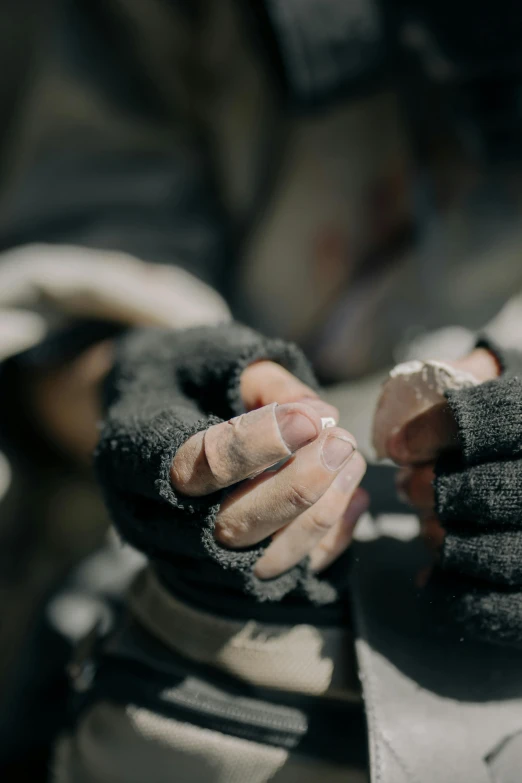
x=425, y=437
x=240, y=448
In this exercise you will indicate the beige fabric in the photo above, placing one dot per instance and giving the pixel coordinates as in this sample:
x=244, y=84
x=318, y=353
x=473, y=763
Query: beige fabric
x=117, y=745
x=44, y=285
x=300, y=658
x=438, y=706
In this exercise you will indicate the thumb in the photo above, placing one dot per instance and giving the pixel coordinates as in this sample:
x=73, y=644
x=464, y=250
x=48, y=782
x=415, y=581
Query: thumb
x=425, y=437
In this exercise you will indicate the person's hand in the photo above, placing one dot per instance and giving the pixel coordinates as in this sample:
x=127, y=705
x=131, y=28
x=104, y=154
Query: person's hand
x=212, y=457
x=423, y=439
x=462, y=469
x=309, y=505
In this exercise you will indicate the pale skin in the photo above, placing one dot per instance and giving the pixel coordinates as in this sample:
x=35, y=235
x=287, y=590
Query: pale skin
x=309, y=505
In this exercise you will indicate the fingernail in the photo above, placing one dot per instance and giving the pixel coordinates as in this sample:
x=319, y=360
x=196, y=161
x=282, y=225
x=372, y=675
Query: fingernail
x=336, y=451
x=295, y=427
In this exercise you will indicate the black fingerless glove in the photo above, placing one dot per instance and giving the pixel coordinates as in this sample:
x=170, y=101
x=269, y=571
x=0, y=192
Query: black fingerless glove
x=478, y=497
x=165, y=387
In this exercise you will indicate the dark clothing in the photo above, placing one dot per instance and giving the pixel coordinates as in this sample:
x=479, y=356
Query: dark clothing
x=162, y=391
x=479, y=501
x=167, y=130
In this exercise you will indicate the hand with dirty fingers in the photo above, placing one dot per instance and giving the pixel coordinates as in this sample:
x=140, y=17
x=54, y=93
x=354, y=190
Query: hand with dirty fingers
x=213, y=458
x=310, y=504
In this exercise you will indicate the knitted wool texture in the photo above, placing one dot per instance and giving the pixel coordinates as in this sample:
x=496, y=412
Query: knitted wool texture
x=478, y=497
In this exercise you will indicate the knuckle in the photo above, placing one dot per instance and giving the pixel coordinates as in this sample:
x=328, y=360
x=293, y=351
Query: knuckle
x=180, y=477
x=301, y=497
x=230, y=534
x=175, y=476
x=318, y=523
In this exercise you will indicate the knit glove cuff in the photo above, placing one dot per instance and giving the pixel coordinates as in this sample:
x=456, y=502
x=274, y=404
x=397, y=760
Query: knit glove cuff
x=478, y=498
x=489, y=419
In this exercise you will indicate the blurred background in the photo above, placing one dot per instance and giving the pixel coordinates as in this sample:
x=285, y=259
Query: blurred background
x=347, y=175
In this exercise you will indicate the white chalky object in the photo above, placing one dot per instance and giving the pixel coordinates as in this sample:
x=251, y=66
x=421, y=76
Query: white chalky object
x=327, y=421
x=412, y=388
